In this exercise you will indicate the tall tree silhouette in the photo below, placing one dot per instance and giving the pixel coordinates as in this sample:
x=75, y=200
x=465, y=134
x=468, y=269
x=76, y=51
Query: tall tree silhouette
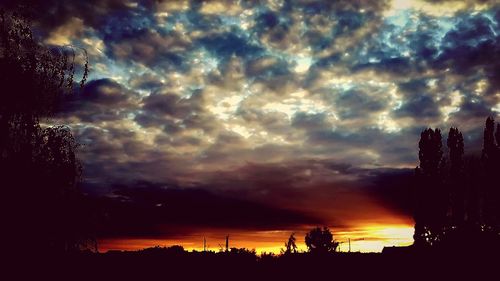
x=497, y=135
x=430, y=194
x=454, y=208
x=489, y=145
x=491, y=166
x=39, y=168
x=455, y=143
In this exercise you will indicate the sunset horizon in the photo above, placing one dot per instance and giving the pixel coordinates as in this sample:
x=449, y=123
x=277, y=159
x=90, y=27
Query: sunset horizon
x=365, y=239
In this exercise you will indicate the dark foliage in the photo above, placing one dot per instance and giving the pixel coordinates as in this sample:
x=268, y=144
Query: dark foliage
x=290, y=245
x=457, y=201
x=430, y=197
x=174, y=263
x=490, y=159
x=38, y=163
x=320, y=240
x=456, y=186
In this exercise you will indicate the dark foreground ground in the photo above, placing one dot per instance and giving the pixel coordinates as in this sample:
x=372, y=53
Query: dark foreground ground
x=172, y=265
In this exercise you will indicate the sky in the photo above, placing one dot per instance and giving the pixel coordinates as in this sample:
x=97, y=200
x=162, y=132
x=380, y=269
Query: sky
x=258, y=119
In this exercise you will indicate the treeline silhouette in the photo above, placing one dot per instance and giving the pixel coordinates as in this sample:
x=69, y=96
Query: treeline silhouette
x=457, y=200
x=243, y=264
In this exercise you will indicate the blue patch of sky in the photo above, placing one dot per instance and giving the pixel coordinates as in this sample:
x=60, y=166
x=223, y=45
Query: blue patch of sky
x=349, y=21
x=127, y=24
x=231, y=38
x=228, y=44
x=403, y=34
x=495, y=25
x=471, y=31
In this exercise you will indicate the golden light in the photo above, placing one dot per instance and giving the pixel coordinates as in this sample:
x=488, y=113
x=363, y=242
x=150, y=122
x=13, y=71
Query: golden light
x=373, y=238
x=435, y=9
x=364, y=238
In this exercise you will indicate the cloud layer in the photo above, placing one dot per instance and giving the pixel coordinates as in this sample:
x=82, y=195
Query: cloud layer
x=296, y=106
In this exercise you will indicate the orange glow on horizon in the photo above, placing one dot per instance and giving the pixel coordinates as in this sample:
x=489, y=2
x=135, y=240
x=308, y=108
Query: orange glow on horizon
x=369, y=225
x=364, y=238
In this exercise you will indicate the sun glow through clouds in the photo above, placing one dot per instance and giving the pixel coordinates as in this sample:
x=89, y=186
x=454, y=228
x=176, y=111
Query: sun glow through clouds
x=368, y=238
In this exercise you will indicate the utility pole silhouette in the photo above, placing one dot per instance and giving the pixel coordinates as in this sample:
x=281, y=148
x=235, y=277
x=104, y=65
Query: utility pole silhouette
x=204, y=244
x=227, y=243
x=349, y=239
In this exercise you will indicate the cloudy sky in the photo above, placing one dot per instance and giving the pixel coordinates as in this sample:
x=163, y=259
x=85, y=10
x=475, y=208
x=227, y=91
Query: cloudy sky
x=261, y=118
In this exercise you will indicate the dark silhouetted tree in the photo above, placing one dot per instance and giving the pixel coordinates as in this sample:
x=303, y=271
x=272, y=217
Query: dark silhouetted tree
x=489, y=146
x=39, y=167
x=497, y=135
x=320, y=240
x=462, y=205
x=290, y=245
x=456, y=185
x=430, y=194
x=455, y=144
x=491, y=166
x=473, y=172
x=430, y=153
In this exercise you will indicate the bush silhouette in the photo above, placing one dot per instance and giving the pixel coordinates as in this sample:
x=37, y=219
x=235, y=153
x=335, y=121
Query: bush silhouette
x=290, y=245
x=320, y=240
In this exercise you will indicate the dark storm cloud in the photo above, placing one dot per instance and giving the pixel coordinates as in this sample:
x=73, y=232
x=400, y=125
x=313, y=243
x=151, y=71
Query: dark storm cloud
x=98, y=144
x=152, y=210
x=165, y=104
x=332, y=186
x=267, y=20
x=104, y=91
x=315, y=6
x=352, y=102
x=145, y=81
x=265, y=67
x=419, y=106
x=225, y=45
x=473, y=45
x=150, y=48
x=257, y=197
x=275, y=122
x=413, y=87
x=365, y=145
x=415, y=46
x=423, y=41
x=469, y=2
x=454, y=55
x=179, y=141
x=347, y=21
x=474, y=109
x=395, y=66
x=309, y=121
x=122, y=156
x=53, y=13
x=100, y=100
x=392, y=187
x=344, y=137
x=174, y=113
